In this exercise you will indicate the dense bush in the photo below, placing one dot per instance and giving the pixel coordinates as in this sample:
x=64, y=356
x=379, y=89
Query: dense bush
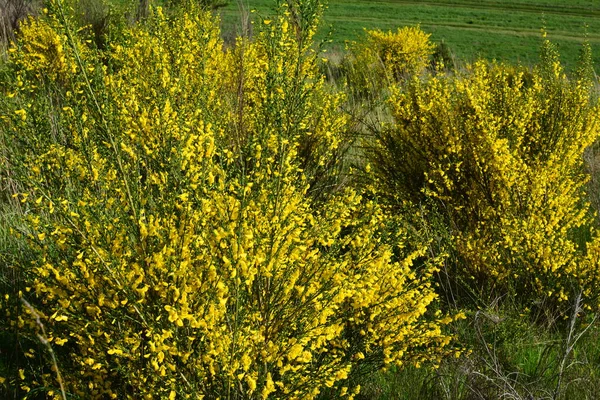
x=382, y=58
x=183, y=243
x=497, y=151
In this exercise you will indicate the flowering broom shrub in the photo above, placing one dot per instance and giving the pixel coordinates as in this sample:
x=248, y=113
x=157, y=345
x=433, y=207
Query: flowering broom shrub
x=499, y=150
x=384, y=57
x=184, y=244
x=405, y=51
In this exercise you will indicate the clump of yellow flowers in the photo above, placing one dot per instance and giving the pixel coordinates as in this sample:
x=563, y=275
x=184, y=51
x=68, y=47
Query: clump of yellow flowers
x=403, y=52
x=184, y=244
x=382, y=58
x=498, y=152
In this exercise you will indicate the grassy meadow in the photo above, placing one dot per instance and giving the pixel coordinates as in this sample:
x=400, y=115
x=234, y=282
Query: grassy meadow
x=190, y=214
x=502, y=30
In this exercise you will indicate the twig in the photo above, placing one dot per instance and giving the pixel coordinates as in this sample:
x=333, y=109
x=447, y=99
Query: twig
x=572, y=340
x=44, y=339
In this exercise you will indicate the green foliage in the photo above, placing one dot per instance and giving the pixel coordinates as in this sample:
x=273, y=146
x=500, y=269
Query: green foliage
x=207, y=4
x=510, y=357
x=442, y=58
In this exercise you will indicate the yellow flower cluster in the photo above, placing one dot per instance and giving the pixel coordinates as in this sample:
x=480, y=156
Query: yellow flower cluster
x=43, y=50
x=180, y=248
x=500, y=151
x=405, y=51
x=384, y=57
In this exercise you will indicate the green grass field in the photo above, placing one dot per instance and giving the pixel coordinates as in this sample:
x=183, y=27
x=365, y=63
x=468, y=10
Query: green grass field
x=492, y=29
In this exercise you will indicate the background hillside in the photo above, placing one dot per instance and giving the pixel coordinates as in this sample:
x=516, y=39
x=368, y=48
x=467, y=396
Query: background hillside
x=492, y=29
